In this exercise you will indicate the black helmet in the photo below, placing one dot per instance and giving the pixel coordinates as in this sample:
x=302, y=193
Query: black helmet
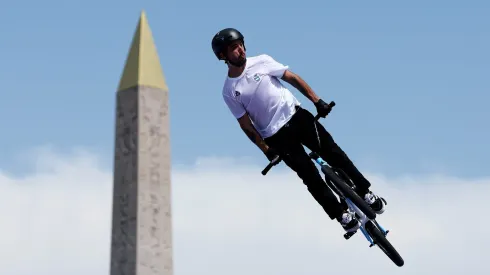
x=224, y=38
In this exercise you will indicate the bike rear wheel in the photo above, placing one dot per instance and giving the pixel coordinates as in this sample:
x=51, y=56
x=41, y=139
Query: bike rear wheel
x=380, y=240
x=348, y=192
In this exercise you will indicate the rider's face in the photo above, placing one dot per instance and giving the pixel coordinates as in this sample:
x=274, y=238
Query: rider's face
x=236, y=53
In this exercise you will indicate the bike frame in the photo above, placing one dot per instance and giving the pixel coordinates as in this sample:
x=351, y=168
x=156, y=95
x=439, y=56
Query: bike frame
x=363, y=219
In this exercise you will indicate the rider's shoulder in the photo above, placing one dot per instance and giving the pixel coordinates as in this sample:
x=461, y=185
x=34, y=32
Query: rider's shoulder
x=261, y=58
x=228, y=88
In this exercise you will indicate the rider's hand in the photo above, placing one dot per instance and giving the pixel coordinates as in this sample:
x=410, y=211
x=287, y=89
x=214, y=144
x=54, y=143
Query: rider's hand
x=271, y=154
x=322, y=108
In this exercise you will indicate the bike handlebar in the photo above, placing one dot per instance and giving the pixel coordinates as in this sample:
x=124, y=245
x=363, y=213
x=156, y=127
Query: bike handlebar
x=277, y=159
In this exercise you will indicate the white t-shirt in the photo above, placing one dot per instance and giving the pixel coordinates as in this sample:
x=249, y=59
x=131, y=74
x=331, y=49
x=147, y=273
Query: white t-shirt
x=259, y=92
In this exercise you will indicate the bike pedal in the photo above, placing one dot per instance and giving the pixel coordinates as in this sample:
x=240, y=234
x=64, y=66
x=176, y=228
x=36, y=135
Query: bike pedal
x=349, y=234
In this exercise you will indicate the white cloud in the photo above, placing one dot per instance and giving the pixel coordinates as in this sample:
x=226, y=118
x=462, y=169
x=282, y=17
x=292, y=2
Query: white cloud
x=56, y=220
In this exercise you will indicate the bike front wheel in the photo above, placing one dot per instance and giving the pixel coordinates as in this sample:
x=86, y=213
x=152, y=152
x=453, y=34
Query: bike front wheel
x=383, y=243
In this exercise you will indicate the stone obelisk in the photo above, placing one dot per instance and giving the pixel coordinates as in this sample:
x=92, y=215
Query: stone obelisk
x=141, y=219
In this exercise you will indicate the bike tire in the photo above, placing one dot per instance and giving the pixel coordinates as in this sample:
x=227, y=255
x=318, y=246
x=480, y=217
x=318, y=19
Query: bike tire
x=343, y=175
x=348, y=192
x=383, y=243
x=347, y=180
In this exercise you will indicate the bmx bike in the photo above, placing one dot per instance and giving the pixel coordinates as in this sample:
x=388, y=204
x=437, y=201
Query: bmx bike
x=343, y=186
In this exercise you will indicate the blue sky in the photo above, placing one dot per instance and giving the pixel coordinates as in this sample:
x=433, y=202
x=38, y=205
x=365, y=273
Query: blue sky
x=410, y=78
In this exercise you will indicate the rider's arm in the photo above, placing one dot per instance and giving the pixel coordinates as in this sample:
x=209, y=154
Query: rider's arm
x=252, y=133
x=297, y=82
x=241, y=115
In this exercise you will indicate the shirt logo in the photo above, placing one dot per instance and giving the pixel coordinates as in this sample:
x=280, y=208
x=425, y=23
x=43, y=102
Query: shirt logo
x=257, y=77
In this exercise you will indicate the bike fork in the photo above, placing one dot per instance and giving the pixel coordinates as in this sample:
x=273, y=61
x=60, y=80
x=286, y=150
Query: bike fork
x=364, y=232
x=363, y=220
x=368, y=237
x=385, y=232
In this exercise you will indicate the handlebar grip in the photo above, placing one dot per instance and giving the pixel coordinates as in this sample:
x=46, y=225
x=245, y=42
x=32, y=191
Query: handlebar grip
x=267, y=168
x=331, y=104
x=275, y=161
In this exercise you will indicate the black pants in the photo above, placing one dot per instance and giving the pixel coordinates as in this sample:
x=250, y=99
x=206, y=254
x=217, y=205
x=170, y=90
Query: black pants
x=289, y=141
